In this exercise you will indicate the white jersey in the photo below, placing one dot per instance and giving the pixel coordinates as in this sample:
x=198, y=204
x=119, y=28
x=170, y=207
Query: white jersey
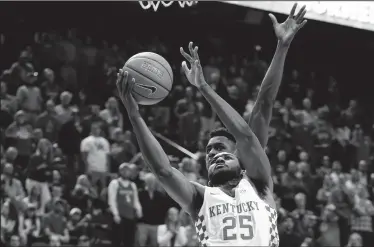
x=245, y=220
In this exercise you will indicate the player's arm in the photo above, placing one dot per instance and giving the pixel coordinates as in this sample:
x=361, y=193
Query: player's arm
x=252, y=155
x=173, y=181
x=262, y=111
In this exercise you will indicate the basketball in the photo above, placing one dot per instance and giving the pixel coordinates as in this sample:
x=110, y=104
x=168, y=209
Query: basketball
x=153, y=77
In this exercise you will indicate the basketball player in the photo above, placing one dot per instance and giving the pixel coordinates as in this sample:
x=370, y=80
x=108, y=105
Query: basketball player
x=235, y=209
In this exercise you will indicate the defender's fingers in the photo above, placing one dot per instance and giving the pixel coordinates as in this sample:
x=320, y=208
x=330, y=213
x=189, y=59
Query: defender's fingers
x=195, y=53
x=185, y=67
x=300, y=12
x=301, y=17
x=186, y=55
x=292, y=13
x=190, y=48
x=302, y=24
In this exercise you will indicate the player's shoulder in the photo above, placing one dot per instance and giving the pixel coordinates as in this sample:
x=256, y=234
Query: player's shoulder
x=262, y=190
x=200, y=189
x=195, y=207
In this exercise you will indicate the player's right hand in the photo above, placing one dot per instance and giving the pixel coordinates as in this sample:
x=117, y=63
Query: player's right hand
x=194, y=75
x=125, y=87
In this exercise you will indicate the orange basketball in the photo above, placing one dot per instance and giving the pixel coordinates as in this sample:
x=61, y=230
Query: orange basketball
x=153, y=77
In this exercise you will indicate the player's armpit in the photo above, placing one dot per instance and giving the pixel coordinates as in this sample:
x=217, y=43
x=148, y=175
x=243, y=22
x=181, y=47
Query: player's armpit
x=184, y=192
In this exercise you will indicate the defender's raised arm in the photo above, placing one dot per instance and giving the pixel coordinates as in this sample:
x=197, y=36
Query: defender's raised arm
x=262, y=111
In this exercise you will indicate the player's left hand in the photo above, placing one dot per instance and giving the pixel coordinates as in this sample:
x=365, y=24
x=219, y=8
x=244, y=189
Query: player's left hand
x=286, y=31
x=125, y=87
x=194, y=75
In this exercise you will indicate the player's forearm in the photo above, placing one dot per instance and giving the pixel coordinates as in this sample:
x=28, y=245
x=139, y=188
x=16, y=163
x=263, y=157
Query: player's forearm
x=262, y=110
x=233, y=121
x=151, y=149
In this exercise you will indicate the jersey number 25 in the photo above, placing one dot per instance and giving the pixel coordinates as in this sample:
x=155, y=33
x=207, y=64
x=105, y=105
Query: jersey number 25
x=231, y=224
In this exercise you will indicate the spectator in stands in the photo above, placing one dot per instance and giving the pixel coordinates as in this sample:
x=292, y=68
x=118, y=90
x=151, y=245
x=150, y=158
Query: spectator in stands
x=329, y=228
x=324, y=193
x=302, y=217
x=292, y=184
x=71, y=146
x=95, y=151
x=37, y=135
x=64, y=110
x=151, y=201
x=361, y=219
x=56, y=196
x=288, y=235
x=188, y=114
x=8, y=223
x=19, y=135
x=29, y=97
x=29, y=225
x=342, y=200
x=121, y=150
x=39, y=171
x=55, y=224
x=95, y=118
x=11, y=187
x=112, y=116
x=83, y=194
x=355, y=240
x=47, y=121
x=123, y=200
x=50, y=89
x=33, y=200
x=172, y=233
x=77, y=225
x=8, y=102
x=9, y=156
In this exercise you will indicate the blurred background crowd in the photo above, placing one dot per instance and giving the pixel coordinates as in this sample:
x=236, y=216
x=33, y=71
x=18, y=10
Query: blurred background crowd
x=58, y=99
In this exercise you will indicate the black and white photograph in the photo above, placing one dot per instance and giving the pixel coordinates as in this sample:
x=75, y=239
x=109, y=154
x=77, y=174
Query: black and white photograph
x=187, y=123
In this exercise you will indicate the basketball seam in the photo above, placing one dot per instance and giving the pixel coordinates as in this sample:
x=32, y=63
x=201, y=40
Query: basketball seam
x=146, y=97
x=148, y=79
x=171, y=76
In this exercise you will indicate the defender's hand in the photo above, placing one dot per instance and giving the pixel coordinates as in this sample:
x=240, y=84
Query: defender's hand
x=286, y=31
x=195, y=74
x=125, y=87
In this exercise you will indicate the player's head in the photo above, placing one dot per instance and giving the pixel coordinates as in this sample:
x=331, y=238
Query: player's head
x=220, y=141
x=222, y=168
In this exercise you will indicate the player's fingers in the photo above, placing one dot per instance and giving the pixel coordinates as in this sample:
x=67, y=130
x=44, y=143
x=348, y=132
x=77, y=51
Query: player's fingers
x=186, y=56
x=197, y=72
x=301, y=17
x=124, y=82
x=190, y=47
x=273, y=19
x=302, y=24
x=131, y=86
x=300, y=13
x=292, y=13
x=185, y=68
x=195, y=54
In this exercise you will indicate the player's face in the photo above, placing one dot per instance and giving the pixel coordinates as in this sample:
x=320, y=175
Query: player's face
x=223, y=168
x=218, y=144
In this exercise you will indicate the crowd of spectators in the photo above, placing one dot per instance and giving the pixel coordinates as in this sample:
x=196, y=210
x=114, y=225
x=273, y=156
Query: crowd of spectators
x=64, y=135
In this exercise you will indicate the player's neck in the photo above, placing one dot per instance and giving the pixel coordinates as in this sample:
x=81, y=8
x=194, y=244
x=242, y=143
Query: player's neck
x=229, y=187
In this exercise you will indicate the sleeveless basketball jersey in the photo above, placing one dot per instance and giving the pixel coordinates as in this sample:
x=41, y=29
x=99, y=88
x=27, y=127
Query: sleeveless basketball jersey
x=245, y=220
x=125, y=201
